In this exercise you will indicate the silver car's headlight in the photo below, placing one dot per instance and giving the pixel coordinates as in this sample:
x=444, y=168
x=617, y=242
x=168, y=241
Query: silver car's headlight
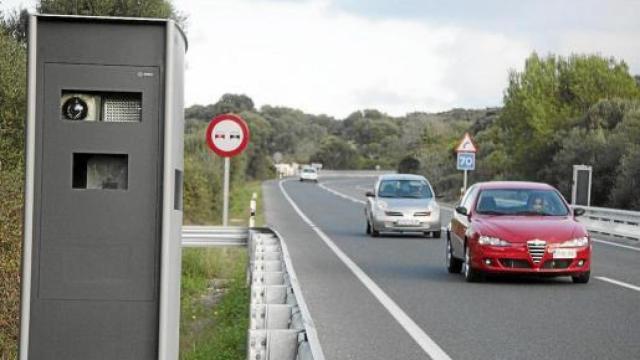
x=492, y=241
x=577, y=242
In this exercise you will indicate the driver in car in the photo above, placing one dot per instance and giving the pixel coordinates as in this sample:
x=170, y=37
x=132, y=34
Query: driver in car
x=537, y=204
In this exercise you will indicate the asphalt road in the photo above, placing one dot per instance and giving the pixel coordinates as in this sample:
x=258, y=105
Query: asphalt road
x=392, y=298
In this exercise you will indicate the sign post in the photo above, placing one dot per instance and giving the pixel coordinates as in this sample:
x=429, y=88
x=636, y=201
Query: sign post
x=466, y=157
x=228, y=136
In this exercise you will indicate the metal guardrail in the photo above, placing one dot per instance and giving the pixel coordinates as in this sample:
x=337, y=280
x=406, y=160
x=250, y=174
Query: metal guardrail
x=280, y=326
x=205, y=236
x=612, y=222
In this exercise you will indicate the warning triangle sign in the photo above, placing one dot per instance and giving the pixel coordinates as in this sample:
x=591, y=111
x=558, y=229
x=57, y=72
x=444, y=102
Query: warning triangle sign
x=466, y=145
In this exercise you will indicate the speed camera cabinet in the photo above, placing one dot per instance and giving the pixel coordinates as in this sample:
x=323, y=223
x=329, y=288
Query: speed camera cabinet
x=103, y=209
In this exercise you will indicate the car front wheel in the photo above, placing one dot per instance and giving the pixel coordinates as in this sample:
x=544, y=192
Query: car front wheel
x=374, y=232
x=582, y=278
x=470, y=274
x=454, y=265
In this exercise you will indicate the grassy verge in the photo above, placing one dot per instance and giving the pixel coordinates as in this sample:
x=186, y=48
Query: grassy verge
x=214, y=304
x=10, y=254
x=215, y=298
x=239, y=204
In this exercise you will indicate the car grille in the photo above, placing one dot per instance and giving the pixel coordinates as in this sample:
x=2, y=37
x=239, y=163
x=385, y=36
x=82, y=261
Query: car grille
x=536, y=249
x=557, y=264
x=515, y=263
x=393, y=213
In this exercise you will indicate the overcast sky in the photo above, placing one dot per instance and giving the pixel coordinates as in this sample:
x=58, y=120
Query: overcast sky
x=338, y=56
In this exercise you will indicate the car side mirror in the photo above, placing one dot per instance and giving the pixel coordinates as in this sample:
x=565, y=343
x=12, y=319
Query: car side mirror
x=370, y=194
x=439, y=196
x=462, y=210
x=578, y=212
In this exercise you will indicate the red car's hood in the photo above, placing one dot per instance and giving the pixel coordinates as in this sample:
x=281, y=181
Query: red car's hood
x=523, y=228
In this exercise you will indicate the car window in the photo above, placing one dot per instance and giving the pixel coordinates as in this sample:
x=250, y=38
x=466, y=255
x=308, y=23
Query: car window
x=468, y=198
x=521, y=202
x=418, y=189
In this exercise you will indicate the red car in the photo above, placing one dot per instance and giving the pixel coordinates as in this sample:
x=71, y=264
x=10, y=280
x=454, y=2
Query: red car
x=517, y=228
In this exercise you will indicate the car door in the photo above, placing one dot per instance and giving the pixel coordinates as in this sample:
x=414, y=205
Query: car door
x=460, y=223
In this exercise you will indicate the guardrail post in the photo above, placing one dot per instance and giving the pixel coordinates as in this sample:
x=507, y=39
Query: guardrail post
x=252, y=210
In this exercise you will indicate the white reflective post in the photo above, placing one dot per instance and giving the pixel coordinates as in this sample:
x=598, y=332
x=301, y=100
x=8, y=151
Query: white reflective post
x=225, y=194
x=464, y=184
x=252, y=210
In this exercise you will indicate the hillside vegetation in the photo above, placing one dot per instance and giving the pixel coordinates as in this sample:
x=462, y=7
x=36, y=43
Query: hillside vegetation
x=558, y=112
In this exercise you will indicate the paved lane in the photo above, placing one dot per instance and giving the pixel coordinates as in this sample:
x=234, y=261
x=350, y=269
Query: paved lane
x=351, y=324
x=500, y=319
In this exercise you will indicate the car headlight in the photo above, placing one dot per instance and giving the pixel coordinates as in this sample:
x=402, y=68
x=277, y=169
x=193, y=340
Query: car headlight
x=492, y=241
x=381, y=205
x=577, y=242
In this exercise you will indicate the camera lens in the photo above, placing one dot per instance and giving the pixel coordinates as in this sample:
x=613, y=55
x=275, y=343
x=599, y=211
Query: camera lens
x=75, y=109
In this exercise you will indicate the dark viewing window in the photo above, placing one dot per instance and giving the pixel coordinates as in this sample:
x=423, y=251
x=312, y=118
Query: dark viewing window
x=100, y=171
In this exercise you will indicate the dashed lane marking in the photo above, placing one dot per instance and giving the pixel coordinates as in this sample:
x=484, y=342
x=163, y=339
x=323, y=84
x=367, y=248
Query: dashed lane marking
x=619, y=283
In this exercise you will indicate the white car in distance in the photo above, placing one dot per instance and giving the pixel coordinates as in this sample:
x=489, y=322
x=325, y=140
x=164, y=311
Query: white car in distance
x=309, y=174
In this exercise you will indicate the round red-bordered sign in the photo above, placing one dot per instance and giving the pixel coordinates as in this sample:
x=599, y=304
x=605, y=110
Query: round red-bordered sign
x=227, y=135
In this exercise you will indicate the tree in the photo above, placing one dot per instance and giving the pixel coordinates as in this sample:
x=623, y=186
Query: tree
x=12, y=101
x=122, y=8
x=409, y=165
x=625, y=194
x=15, y=23
x=580, y=146
x=335, y=153
x=608, y=113
x=232, y=103
x=551, y=95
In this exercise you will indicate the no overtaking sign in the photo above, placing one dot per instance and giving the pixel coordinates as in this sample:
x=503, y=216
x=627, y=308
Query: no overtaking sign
x=227, y=135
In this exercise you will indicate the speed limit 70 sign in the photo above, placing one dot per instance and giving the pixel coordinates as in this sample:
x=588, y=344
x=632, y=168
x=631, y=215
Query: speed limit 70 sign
x=466, y=161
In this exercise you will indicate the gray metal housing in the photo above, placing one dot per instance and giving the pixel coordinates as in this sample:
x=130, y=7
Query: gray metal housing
x=101, y=264
x=581, y=185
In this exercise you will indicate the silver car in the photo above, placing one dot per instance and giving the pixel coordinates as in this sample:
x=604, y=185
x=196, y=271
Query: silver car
x=402, y=203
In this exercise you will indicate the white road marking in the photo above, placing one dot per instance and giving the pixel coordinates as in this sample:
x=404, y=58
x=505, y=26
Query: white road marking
x=312, y=334
x=344, y=196
x=618, y=245
x=619, y=283
x=419, y=336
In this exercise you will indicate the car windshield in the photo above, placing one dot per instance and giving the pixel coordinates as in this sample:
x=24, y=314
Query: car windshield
x=521, y=202
x=309, y=171
x=418, y=189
